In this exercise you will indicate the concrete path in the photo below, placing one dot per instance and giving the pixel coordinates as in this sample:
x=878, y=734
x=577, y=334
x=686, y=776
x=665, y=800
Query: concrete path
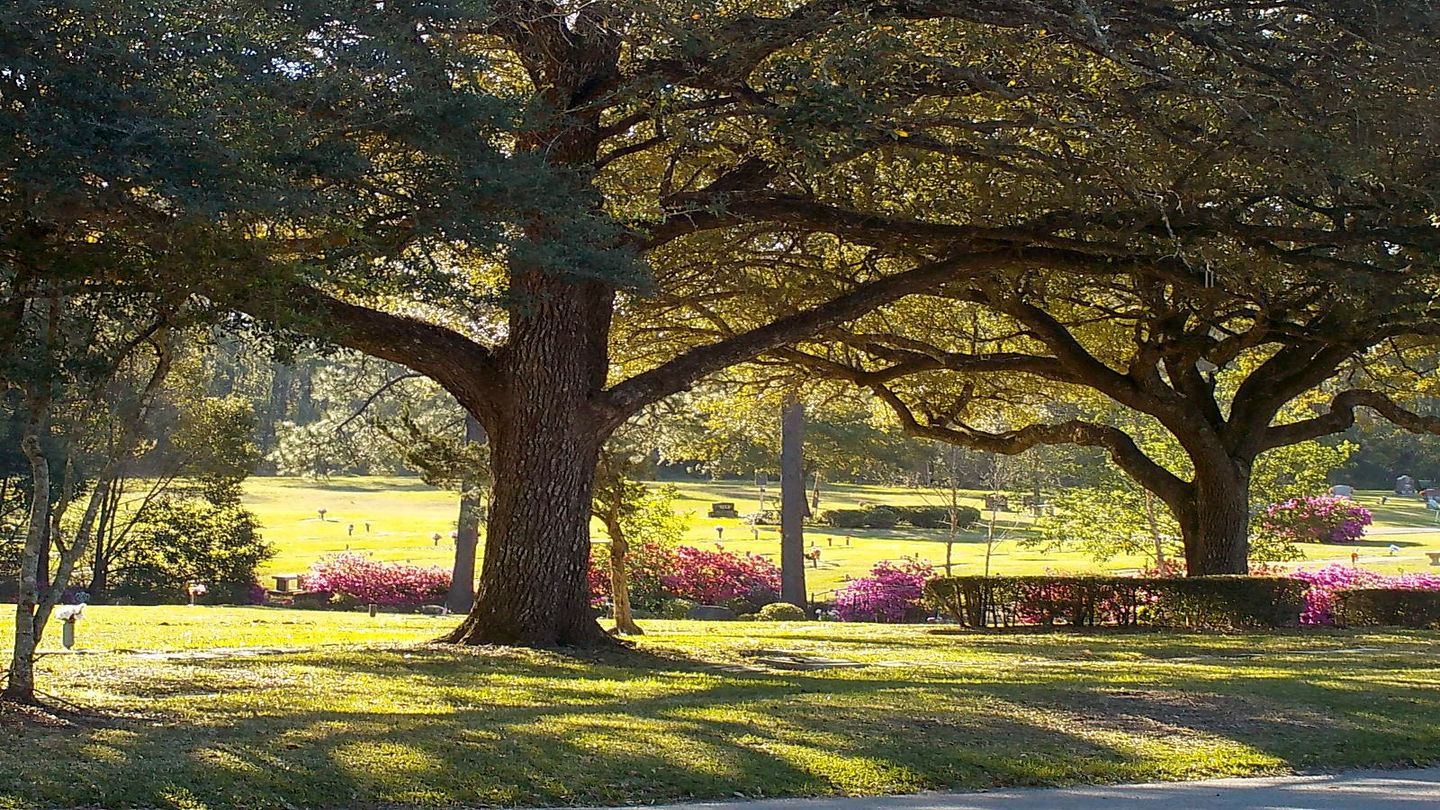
x=1356, y=790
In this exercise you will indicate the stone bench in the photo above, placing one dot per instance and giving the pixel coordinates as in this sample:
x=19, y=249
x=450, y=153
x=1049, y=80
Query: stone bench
x=1434, y=557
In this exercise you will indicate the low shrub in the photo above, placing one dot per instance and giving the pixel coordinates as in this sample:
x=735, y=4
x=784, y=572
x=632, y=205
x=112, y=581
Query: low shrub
x=873, y=517
x=1209, y=603
x=1387, y=607
x=675, y=608
x=645, y=565
x=1328, y=583
x=892, y=593
x=781, y=612
x=1314, y=519
x=1226, y=602
x=938, y=517
x=844, y=518
x=741, y=582
x=358, y=579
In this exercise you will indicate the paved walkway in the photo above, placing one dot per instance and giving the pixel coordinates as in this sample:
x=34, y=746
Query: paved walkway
x=1356, y=790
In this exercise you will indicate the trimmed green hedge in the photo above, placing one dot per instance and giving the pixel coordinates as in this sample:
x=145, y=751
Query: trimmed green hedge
x=938, y=517
x=888, y=517
x=1387, y=607
x=1202, y=603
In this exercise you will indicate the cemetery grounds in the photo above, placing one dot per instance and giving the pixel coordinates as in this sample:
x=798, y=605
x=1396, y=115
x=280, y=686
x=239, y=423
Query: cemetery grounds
x=230, y=707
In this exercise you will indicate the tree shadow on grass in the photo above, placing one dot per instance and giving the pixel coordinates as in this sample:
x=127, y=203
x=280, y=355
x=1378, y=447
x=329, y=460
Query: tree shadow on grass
x=440, y=725
x=473, y=729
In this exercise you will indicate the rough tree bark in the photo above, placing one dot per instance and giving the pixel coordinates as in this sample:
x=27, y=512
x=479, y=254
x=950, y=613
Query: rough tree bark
x=1215, y=522
x=544, y=446
x=792, y=503
x=467, y=531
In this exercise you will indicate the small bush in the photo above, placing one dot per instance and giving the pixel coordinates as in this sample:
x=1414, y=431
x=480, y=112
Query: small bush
x=938, y=517
x=845, y=518
x=741, y=582
x=781, y=612
x=1387, y=607
x=873, y=517
x=882, y=517
x=1328, y=583
x=890, y=594
x=1314, y=519
x=356, y=579
x=676, y=608
x=1226, y=602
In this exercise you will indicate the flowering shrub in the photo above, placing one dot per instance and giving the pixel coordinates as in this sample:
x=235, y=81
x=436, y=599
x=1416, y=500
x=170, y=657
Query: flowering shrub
x=1314, y=519
x=717, y=577
x=647, y=564
x=890, y=594
x=1327, y=581
x=363, y=580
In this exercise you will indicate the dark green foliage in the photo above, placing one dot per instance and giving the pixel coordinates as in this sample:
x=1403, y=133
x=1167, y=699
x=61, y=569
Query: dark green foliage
x=938, y=517
x=194, y=541
x=675, y=608
x=888, y=517
x=1201, y=603
x=1387, y=607
x=781, y=612
x=1225, y=602
x=882, y=517
x=845, y=518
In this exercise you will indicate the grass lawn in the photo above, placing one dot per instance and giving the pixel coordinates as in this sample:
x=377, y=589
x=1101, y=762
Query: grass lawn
x=404, y=515
x=369, y=716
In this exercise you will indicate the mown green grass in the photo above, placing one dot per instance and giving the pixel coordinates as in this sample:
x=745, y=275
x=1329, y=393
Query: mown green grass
x=404, y=515
x=697, y=711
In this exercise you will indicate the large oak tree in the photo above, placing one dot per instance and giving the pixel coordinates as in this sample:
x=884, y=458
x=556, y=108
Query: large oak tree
x=672, y=171
x=563, y=212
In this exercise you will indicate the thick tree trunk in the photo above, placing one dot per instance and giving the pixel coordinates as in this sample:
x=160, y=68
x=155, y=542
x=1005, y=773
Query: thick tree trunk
x=467, y=533
x=1216, y=525
x=792, y=503
x=544, y=447
x=533, y=586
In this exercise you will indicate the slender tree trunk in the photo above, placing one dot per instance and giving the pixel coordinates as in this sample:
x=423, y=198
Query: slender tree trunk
x=620, y=578
x=20, y=680
x=104, y=540
x=1216, y=526
x=990, y=537
x=792, y=503
x=1151, y=504
x=467, y=532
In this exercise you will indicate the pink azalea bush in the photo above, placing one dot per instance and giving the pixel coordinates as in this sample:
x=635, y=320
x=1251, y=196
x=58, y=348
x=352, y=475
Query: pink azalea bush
x=646, y=565
x=892, y=593
x=364, y=580
x=1326, y=582
x=1314, y=519
x=718, y=577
